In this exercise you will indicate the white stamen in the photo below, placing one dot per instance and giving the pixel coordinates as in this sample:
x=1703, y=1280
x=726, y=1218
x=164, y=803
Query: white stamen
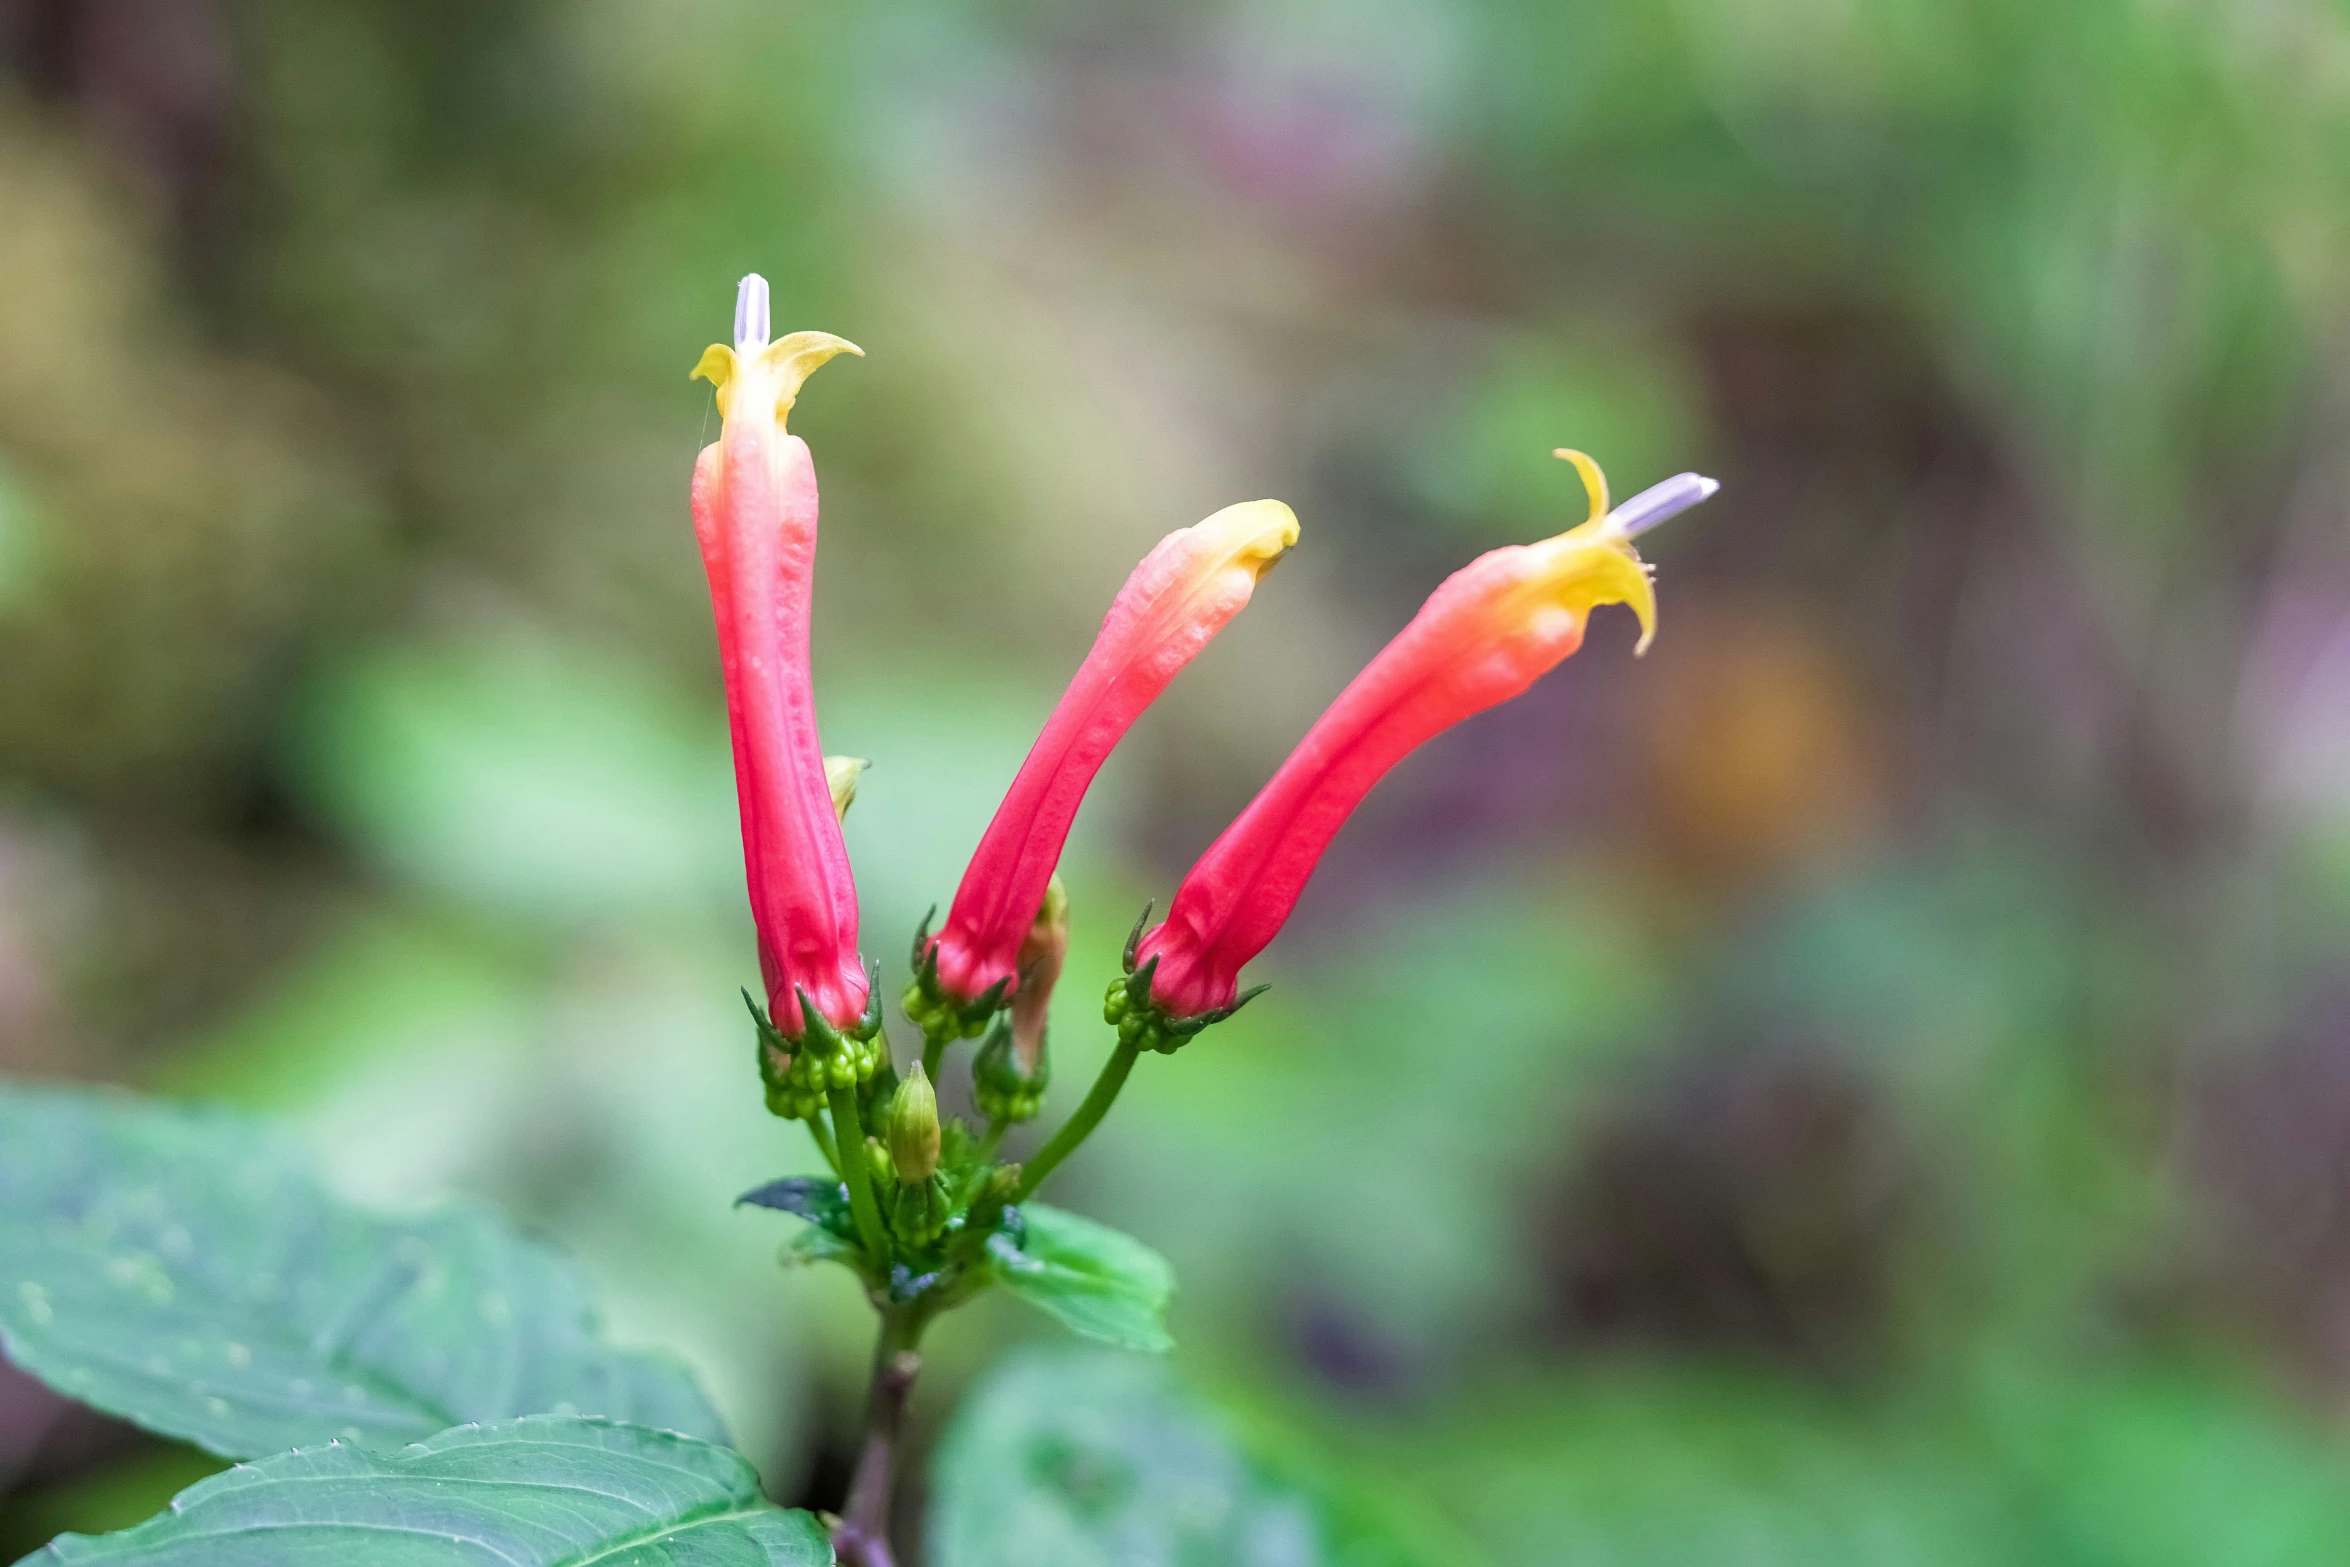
x=1660, y=501
x=750, y=314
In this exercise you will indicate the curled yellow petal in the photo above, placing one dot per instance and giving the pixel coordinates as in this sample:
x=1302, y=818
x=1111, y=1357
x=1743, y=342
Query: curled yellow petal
x=791, y=360
x=1594, y=482
x=767, y=379
x=716, y=366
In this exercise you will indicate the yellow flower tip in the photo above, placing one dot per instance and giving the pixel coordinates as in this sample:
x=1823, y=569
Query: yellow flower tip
x=1253, y=535
x=1594, y=562
x=770, y=375
x=1589, y=565
x=1594, y=482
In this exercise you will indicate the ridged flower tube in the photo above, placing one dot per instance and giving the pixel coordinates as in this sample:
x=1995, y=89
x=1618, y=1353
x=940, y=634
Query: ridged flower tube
x=754, y=508
x=1184, y=592
x=1487, y=633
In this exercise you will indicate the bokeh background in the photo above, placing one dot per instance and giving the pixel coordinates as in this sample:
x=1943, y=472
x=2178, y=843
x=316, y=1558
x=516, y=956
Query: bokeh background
x=1867, y=1083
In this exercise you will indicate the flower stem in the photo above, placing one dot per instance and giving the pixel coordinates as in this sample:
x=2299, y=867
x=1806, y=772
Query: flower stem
x=850, y=1142
x=862, y=1539
x=823, y=1142
x=1079, y=1126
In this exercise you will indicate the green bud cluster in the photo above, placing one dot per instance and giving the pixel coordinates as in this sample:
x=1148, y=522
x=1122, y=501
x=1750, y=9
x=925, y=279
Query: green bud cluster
x=799, y=1081
x=1005, y=1094
x=1143, y=1024
x=800, y=1073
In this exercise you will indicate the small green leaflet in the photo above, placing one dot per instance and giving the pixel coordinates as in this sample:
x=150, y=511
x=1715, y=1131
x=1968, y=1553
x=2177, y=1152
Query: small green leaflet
x=535, y=1492
x=1097, y=1281
x=184, y=1269
x=1078, y=1457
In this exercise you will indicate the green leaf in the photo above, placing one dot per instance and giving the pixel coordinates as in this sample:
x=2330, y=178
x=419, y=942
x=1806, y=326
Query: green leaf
x=545, y=1489
x=1073, y=1458
x=1095, y=1280
x=819, y=1199
x=182, y=1268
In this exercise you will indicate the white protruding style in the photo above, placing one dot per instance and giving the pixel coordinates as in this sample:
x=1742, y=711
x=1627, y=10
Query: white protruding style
x=1660, y=501
x=750, y=314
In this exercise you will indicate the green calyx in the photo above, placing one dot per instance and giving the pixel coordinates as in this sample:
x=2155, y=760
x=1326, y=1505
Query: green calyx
x=918, y=1214
x=800, y=1073
x=1143, y=1024
x=1003, y=1092
x=942, y=1018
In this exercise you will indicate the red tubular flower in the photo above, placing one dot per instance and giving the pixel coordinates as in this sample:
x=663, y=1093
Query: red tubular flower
x=1486, y=634
x=1182, y=594
x=754, y=505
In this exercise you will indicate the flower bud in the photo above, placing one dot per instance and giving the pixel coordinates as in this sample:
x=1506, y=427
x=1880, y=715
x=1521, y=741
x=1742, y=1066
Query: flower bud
x=1042, y=952
x=841, y=772
x=1004, y=1091
x=913, y=1128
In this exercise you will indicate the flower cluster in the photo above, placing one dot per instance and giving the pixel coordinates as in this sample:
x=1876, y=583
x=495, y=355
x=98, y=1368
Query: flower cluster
x=1484, y=635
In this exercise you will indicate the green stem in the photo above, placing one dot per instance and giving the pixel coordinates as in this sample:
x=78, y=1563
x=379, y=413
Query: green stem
x=934, y=1053
x=823, y=1143
x=850, y=1141
x=1079, y=1126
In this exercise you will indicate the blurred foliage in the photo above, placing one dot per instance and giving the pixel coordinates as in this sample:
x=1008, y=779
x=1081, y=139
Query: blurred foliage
x=1074, y=1458
x=1861, y=1084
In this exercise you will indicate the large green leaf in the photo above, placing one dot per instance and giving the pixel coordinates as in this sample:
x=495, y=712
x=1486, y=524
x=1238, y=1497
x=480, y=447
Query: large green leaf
x=546, y=1489
x=182, y=1268
x=1097, y=1281
x=1071, y=1459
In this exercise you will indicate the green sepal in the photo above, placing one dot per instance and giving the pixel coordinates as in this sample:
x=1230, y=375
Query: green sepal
x=798, y=1074
x=941, y=1017
x=1134, y=937
x=1003, y=1092
x=1139, y=1019
x=919, y=1212
x=1145, y=1025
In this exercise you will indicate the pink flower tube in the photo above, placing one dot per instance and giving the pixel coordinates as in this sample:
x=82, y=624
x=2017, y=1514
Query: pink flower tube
x=754, y=506
x=1486, y=634
x=1183, y=593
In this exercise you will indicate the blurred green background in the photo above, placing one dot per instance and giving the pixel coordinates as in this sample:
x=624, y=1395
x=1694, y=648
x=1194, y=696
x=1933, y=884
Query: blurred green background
x=1867, y=1083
